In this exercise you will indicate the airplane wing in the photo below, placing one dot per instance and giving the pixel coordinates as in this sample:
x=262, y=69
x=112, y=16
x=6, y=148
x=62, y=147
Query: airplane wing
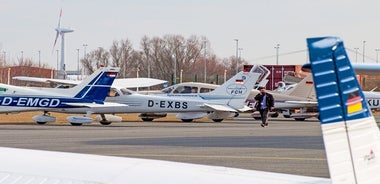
x=34, y=166
x=46, y=80
x=137, y=82
x=303, y=102
x=92, y=105
x=216, y=107
x=123, y=83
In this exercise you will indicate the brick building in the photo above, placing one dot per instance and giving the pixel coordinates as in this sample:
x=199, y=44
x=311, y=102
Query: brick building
x=6, y=74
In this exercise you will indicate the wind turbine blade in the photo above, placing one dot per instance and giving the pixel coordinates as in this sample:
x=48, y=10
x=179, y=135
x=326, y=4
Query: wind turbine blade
x=58, y=29
x=59, y=19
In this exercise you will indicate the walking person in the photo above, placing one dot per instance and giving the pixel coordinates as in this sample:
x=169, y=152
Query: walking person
x=264, y=104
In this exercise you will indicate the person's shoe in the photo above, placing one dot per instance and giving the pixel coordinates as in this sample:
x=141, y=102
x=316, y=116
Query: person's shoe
x=266, y=124
x=262, y=125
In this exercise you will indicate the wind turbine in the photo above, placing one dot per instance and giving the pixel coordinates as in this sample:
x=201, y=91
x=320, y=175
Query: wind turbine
x=61, y=32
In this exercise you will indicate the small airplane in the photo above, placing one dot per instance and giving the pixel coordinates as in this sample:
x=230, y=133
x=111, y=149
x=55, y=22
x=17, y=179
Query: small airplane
x=223, y=102
x=87, y=95
x=299, y=97
x=350, y=134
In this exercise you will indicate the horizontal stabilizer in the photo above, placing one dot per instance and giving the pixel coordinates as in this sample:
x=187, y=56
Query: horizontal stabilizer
x=216, y=107
x=106, y=104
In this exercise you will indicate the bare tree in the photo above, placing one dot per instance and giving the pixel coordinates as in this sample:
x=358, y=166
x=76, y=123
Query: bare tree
x=121, y=53
x=95, y=59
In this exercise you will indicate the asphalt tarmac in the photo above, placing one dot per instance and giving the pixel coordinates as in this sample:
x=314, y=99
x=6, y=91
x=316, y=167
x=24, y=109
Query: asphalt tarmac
x=286, y=146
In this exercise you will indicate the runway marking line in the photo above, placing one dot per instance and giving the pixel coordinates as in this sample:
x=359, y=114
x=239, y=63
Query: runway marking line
x=220, y=156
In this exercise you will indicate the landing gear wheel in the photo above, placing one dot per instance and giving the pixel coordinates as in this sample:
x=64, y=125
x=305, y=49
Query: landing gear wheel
x=275, y=115
x=299, y=119
x=236, y=114
x=187, y=120
x=147, y=119
x=217, y=120
x=105, y=122
x=40, y=122
x=76, y=124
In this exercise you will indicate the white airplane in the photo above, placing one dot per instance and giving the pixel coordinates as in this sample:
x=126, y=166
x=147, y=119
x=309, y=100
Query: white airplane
x=350, y=134
x=301, y=96
x=87, y=95
x=217, y=105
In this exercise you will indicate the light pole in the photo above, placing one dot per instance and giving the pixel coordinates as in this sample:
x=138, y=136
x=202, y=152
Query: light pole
x=377, y=55
x=363, y=50
x=277, y=47
x=78, y=64
x=57, y=62
x=39, y=59
x=240, y=49
x=22, y=56
x=4, y=54
x=84, y=57
x=356, y=54
x=205, y=61
x=237, y=53
x=174, y=69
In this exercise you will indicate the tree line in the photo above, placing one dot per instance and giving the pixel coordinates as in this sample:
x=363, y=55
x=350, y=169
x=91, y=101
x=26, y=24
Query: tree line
x=156, y=58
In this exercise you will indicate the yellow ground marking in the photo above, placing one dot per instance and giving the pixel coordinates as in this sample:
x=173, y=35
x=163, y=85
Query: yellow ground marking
x=221, y=156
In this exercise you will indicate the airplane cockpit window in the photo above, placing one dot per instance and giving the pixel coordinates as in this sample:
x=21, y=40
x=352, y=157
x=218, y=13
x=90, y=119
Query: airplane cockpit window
x=205, y=90
x=126, y=91
x=179, y=89
x=3, y=90
x=194, y=90
x=167, y=90
x=113, y=93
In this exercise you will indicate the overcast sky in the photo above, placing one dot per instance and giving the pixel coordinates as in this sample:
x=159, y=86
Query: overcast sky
x=259, y=25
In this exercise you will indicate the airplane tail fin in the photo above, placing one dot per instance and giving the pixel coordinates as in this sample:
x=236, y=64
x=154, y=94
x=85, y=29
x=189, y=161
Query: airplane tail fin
x=237, y=88
x=350, y=133
x=96, y=86
x=304, y=88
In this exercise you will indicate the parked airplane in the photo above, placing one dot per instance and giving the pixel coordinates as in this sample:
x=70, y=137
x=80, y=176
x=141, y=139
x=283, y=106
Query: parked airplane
x=301, y=96
x=351, y=138
x=217, y=105
x=87, y=95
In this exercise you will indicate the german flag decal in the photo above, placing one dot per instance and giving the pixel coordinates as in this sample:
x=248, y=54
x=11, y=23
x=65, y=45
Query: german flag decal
x=354, y=102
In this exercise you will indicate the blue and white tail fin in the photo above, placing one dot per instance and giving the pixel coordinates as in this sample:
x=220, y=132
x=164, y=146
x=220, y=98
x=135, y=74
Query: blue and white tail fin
x=96, y=86
x=235, y=91
x=350, y=133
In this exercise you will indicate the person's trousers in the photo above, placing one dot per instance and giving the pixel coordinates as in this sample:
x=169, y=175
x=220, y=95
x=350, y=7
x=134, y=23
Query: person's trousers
x=264, y=115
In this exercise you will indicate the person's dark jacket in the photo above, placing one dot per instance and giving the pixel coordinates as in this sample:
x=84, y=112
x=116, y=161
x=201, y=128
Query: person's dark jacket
x=259, y=98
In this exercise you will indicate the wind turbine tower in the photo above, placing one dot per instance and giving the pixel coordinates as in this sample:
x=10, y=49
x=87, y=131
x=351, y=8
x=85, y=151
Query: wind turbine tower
x=61, y=32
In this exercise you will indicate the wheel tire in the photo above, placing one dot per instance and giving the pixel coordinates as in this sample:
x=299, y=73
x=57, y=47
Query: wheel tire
x=286, y=116
x=275, y=115
x=257, y=118
x=105, y=122
x=76, y=124
x=236, y=114
x=299, y=119
x=217, y=120
x=147, y=119
x=40, y=122
x=187, y=120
